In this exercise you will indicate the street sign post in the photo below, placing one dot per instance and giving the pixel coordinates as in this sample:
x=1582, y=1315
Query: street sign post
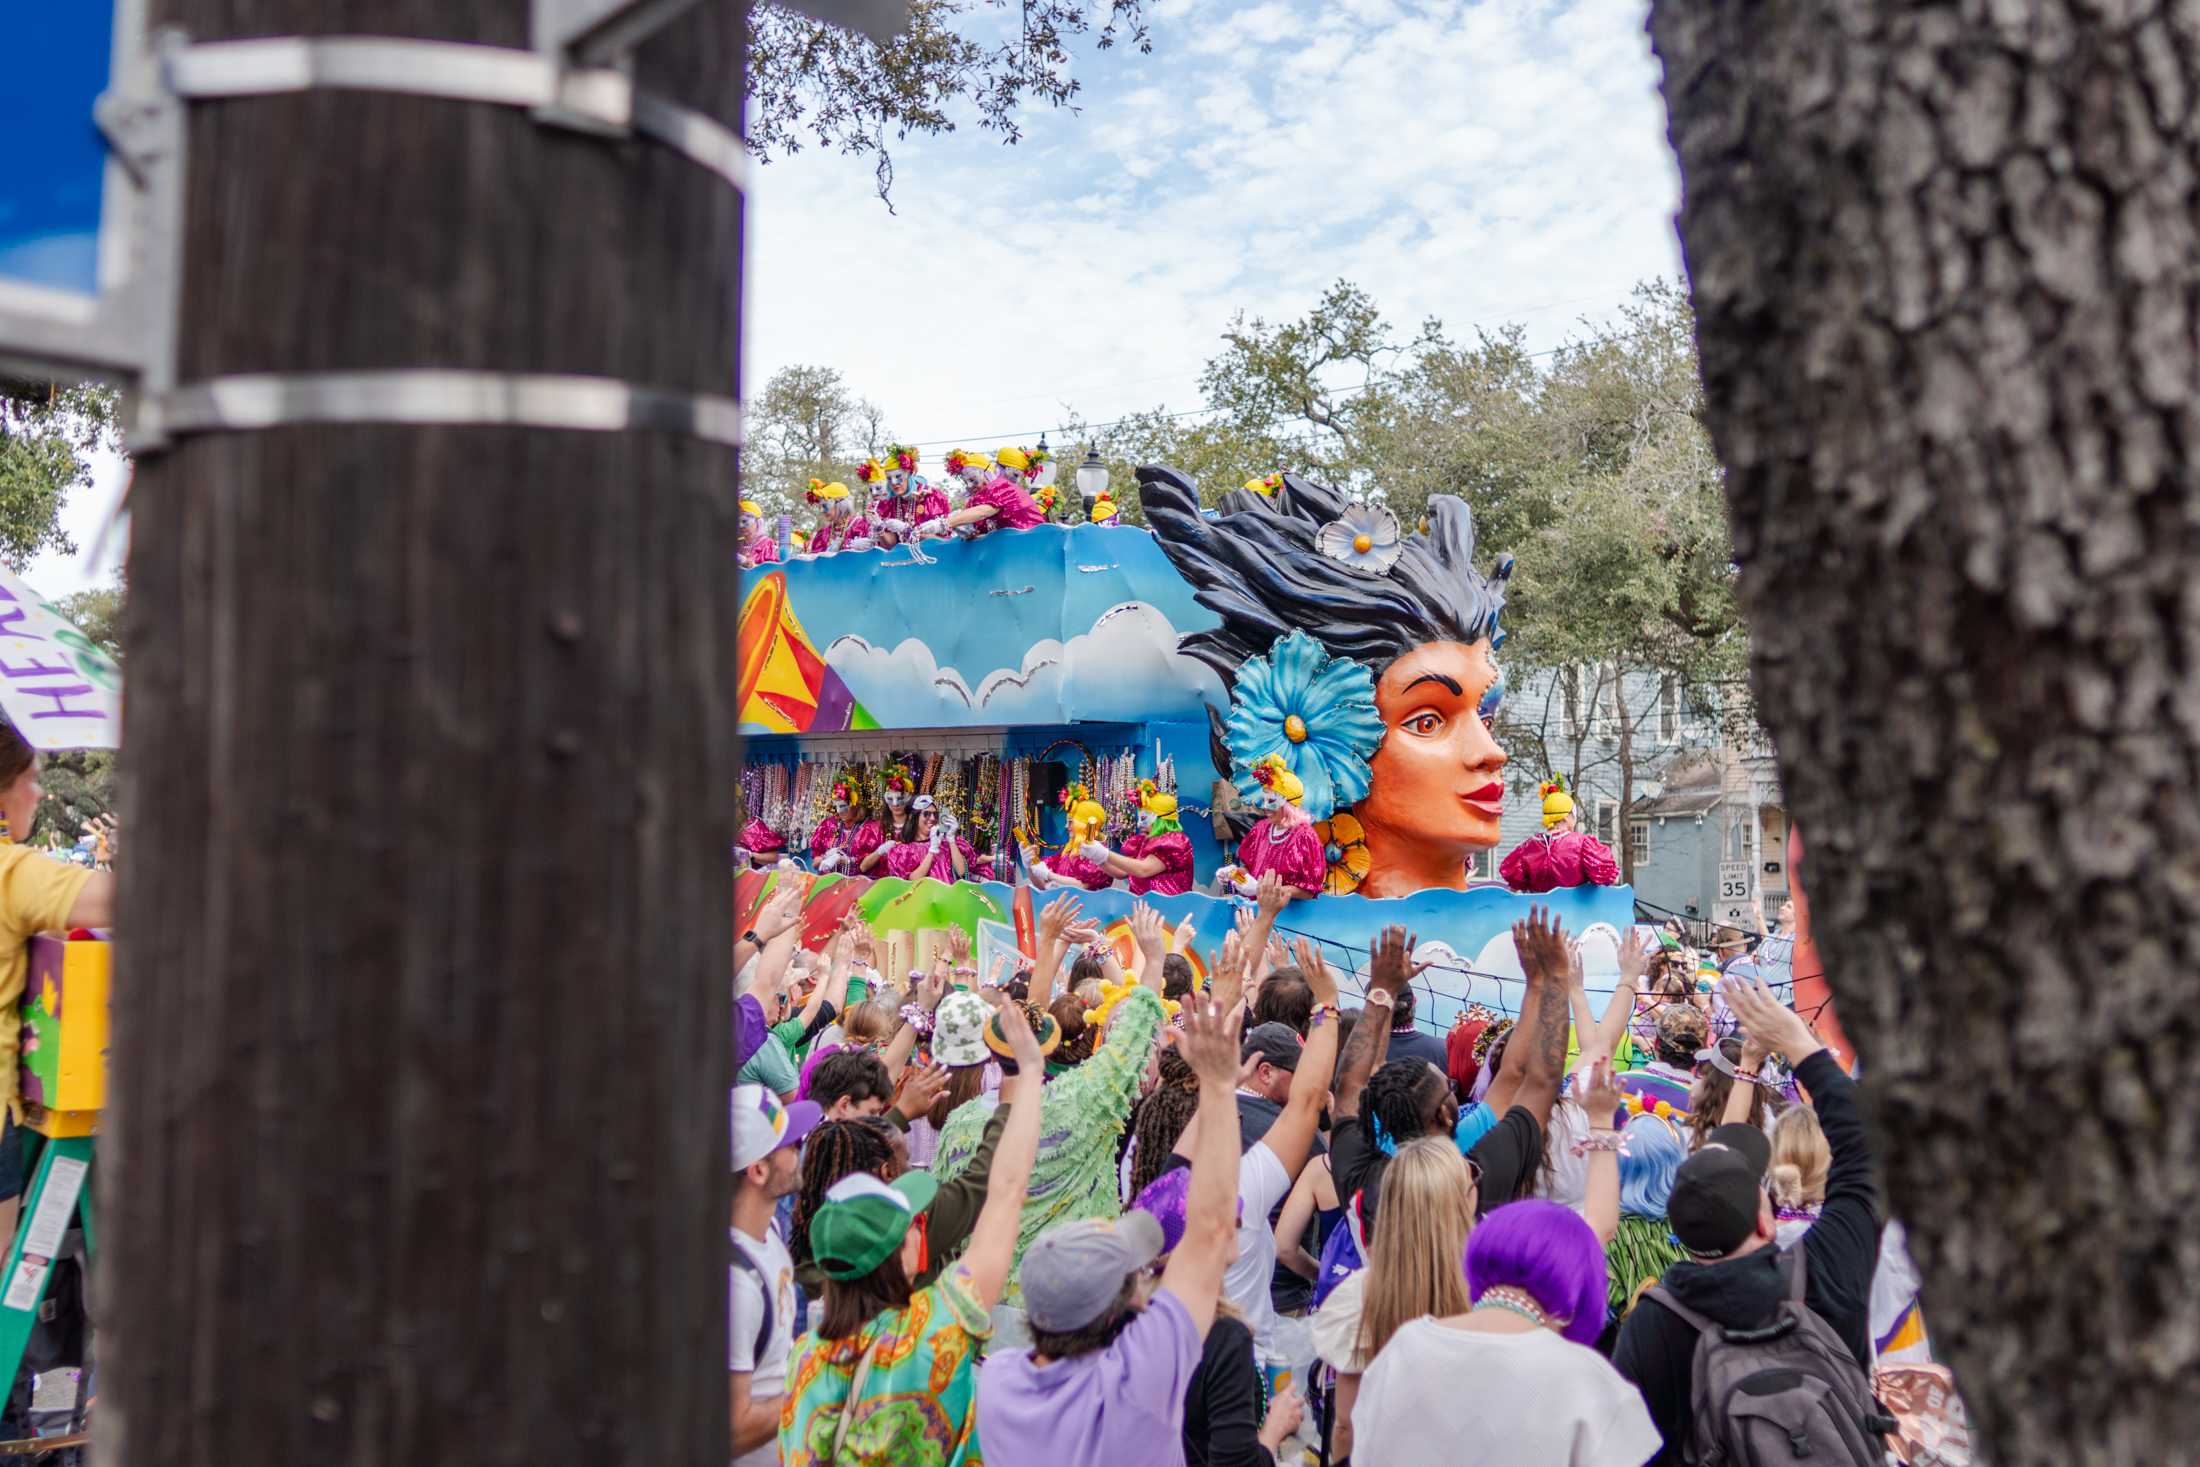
x=1737, y=893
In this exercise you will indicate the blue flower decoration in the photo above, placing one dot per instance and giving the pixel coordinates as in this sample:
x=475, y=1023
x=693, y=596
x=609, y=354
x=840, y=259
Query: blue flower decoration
x=1315, y=711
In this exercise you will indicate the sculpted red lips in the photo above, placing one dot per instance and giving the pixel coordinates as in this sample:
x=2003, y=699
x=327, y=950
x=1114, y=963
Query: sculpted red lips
x=1490, y=799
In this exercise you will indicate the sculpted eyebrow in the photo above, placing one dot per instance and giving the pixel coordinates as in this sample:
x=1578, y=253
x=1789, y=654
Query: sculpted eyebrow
x=1437, y=677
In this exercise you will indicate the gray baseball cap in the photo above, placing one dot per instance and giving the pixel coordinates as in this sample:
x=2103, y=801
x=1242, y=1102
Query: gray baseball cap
x=1074, y=1271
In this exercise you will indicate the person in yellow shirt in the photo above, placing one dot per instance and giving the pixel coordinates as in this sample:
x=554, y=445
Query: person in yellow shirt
x=37, y=894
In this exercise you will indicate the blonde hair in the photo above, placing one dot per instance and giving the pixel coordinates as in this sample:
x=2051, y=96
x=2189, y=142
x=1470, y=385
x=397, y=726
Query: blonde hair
x=869, y=1022
x=1416, y=1261
x=1800, y=1158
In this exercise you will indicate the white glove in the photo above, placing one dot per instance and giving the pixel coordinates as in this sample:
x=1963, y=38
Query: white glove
x=832, y=860
x=899, y=527
x=860, y=542
x=934, y=527
x=1248, y=888
x=1094, y=852
x=937, y=836
x=948, y=824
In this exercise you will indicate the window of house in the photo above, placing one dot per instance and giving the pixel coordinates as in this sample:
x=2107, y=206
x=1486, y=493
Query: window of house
x=1669, y=711
x=1638, y=841
x=1608, y=821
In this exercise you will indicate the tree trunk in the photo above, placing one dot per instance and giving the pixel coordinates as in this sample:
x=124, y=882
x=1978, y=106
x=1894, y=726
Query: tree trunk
x=418, y=1150
x=1945, y=268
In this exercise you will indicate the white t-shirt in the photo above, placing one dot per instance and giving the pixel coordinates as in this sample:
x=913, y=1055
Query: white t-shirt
x=1443, y=1397
x=1262, y=1186
x=767, y=1370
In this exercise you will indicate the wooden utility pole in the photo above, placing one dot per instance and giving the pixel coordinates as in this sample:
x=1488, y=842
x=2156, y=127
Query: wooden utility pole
x=1946, y=260
x=418, y=1151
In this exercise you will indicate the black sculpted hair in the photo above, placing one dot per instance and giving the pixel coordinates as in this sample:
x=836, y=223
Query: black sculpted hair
x=1399, y=1095
x=834, y=1150
x=1255, y=565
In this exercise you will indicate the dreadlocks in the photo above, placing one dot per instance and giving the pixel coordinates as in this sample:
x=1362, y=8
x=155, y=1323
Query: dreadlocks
x=835, y=1150
x=1160, y=1118
x=1396, y=1103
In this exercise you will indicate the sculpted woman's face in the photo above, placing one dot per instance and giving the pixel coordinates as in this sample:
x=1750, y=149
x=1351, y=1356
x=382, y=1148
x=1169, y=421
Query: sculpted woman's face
x=1439, y=777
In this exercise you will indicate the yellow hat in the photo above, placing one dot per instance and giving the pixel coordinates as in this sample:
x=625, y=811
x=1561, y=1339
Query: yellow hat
x=1013, y=458
x=748, y=506
x=1103, y=509
x=1155, y=800
x=820, y=491
x=963, y=458
x=1275, y=776
x=797, y=539
x=1557, y=804
x=1266, y=487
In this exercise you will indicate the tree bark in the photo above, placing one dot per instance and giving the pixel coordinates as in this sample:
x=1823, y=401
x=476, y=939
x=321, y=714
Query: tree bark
x=1945, y=269
x=419, y=1151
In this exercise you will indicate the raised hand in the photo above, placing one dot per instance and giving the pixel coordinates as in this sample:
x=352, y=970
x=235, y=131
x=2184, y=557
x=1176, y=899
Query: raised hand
x=958, y=946
x=1057, y=916
x=781, y=910
x=1023, y=1045
x=1541, y=943
x=1209, y=1044
x=1767, y=1021
x=920, y=1087
x=1596, y=1086
x=1228, y=974
x=1634, y=956
x=1390, y=960
x=1316, y=970
x=1147, y=931
x=1271, y=896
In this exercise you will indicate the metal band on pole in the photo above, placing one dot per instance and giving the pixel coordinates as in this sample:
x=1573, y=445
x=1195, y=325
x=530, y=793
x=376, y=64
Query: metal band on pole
x=434, y=396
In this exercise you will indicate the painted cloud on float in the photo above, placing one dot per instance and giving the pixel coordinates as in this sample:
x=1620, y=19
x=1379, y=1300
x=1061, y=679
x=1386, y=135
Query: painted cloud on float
x=1126, y=668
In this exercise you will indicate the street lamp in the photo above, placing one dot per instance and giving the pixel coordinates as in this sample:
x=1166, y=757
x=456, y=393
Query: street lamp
x=1045, y=476
x=1092, y=479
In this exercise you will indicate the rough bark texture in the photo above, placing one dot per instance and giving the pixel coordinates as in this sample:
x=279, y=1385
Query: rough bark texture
x=418, y=1153
x=1944, y=259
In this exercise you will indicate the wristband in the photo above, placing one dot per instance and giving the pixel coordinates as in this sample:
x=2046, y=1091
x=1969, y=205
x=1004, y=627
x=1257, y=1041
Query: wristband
x=1601, y=1140
x=1321, y=1011
x=917, y=1017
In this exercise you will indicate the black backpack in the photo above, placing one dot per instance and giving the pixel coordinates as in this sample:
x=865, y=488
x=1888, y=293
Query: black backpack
x=1789, y=1392
x=755, y=1270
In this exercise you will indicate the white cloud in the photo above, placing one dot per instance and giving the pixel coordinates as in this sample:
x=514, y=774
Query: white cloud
x=1485, y=162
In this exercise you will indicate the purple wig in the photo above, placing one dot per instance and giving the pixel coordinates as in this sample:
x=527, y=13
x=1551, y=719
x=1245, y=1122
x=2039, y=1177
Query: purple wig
x=1166, y=1197
x=1546, y=1249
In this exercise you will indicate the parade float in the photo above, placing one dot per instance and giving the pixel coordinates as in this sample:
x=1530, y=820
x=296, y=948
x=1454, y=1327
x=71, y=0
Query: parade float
x=1299, y=682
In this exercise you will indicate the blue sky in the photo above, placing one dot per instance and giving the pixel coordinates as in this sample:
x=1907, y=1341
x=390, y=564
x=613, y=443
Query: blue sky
x=1484, y=163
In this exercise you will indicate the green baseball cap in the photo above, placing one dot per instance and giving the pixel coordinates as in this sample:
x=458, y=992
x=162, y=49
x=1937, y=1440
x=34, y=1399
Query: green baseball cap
x=863, y=1220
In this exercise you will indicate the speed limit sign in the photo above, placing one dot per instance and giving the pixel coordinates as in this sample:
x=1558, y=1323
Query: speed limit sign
x=1737, y=886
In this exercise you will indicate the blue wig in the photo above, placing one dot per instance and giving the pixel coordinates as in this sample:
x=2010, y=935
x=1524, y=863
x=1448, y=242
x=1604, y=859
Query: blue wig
x=1654, y=1153
x=1546, y=1249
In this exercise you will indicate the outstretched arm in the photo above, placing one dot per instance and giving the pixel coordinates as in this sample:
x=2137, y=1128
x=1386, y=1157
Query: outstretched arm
x=1540, y=1053
x=993, y=1241
x=1291, y=1137
x=1389, y=970
x=1195, y=1269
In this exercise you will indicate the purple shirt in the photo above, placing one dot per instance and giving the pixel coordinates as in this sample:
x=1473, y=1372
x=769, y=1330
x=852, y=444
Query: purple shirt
x=1122, y=1404
x=749, y=1029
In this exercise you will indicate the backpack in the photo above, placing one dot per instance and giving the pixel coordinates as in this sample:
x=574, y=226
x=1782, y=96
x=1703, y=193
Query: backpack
x=1343, y=1254
x=1785, y=1393
x=755, y=1270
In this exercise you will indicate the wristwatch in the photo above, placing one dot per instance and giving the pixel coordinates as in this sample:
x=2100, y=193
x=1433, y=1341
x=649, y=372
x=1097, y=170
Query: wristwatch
x=1381, y=997
x=751, y=937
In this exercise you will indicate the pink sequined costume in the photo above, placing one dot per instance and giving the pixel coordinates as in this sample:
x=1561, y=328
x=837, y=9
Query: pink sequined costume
x=1295, y=855
x=829, y=539
x=854, y=840
x=1552, y=859
x=913, y=859
x=1173, y=848
x=1018, y=510
x=763, y=550
x=1074, y=870
x=918, y=503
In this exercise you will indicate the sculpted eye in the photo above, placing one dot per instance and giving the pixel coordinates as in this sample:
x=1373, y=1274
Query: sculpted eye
x=1424, y=723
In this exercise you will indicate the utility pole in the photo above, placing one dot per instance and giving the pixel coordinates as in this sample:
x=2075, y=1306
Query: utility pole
x=418, y=1150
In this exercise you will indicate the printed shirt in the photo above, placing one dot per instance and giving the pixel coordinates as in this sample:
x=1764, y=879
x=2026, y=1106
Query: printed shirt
x=918, y=1407
x=37, y=893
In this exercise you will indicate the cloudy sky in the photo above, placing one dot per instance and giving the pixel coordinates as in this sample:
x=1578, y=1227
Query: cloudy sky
x=1490, y=162
x=1480, y=162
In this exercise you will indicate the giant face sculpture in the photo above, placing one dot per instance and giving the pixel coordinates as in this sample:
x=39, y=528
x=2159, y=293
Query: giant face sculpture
x=1361, y=656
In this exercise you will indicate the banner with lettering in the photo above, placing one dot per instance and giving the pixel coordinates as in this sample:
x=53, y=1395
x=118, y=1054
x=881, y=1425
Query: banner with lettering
x=56, y=686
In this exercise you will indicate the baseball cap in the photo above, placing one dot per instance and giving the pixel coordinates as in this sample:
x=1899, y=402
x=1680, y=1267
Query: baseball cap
x=1075, y=1270
x=863, y=1220
x=1278, y=1044
x=761, y=1125
x=1751, y=1141
x=1716, y=1195
x=1681, y=1032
